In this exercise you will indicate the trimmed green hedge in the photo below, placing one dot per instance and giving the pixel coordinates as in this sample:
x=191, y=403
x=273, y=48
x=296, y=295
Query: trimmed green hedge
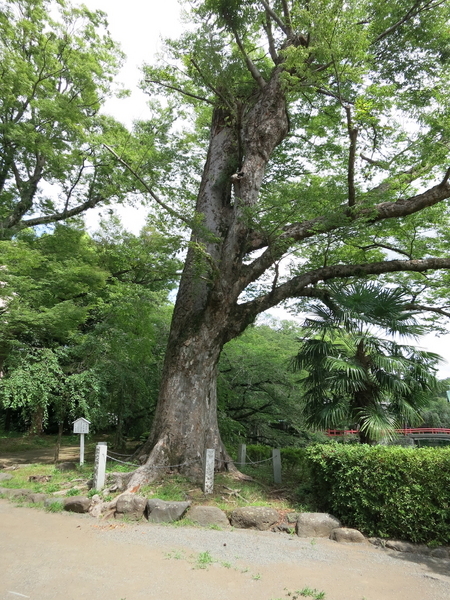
x=393, y=492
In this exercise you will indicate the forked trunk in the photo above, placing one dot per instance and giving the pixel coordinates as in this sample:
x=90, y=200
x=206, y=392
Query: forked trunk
x=185, y=423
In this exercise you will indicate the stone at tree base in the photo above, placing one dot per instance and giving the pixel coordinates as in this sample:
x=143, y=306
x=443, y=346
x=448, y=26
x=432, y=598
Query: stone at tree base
x=66, y=466
x=316, y=524
x=35, y=498
x=160, y=511
x=400, y=546
x=16, y=494
x=77, y=504
x=5, y=476
x=208, y=515
x=292, y=517
x=440, y=553
x=254, y=517
x=347, y=535
x=99, y=508
x=49, y=501
x=131, y=505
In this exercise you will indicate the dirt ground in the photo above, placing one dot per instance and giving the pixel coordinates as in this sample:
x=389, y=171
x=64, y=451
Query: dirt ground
x=47, y=556
x=41, y=455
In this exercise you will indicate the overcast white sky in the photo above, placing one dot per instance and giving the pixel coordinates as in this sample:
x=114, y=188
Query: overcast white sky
x=139, y=25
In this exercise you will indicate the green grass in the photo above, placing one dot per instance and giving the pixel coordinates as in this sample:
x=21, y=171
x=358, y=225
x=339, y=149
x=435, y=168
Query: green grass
x=228, y=493
x=204, y=560
x=54, y=507
x=303, y=593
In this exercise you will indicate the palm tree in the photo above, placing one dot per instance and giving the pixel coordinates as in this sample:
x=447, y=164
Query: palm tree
x=353, y=375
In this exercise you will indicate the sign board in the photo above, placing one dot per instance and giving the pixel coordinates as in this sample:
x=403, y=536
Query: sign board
x=448, y=395
x=81, y=425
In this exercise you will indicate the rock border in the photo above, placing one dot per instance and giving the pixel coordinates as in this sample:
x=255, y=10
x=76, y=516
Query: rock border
x=262, y=518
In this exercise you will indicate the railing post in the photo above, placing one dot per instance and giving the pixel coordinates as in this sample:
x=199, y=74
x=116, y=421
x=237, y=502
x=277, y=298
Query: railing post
x=276, y=461
x=100, y=465
x=208, y=471
x=241, y=455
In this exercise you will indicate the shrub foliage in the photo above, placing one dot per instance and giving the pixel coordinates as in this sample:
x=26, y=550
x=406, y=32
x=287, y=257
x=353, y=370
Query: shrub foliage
x=391, y=492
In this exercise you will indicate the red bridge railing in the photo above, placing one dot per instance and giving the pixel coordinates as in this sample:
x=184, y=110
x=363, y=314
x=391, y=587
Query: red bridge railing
x=405, y=431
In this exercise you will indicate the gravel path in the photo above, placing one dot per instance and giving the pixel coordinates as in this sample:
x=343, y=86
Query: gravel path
x=72, y=557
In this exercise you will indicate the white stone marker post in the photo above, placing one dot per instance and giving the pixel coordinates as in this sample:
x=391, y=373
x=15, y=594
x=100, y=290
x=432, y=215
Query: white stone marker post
x=100, y=465
x=276, y=461
x=241, y=455
x=81, y=426
x=208, y=481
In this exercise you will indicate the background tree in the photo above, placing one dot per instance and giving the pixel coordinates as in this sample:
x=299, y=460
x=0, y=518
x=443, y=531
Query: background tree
x=437, y=412
x=57, y=68
x=355, y=377
x=325, y=131
x=258, y=398
x=84, y=325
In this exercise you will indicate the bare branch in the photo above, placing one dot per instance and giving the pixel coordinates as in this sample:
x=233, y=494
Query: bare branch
x=275, y=17
x=385, y=247
x=272, y=49
x=177, y=89
x=73, y=186
x=422, y=308
x=353, y=135
x=301, y=286
x=250, y=64
x=62, y=216
x=155, y=197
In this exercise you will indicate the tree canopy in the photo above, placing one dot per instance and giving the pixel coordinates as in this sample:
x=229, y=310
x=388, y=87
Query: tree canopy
x=323, y=129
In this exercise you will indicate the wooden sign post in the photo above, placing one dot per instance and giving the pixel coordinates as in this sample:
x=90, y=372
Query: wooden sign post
x=81, y=426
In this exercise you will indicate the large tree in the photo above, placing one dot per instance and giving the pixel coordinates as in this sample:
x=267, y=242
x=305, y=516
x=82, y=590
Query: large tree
x=326, y=157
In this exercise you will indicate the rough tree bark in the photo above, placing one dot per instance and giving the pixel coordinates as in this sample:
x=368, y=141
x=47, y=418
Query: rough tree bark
x=204, y=317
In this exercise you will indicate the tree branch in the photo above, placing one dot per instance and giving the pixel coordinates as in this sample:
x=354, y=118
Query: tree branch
x=413, y=11
x=300, y=231
x=209, y=85
x=385, y=247
x=248, y=61
x=66, y=214
x=423, y=308
x=272, y=49
x=155, y=197
x=275, y=17
x=177, y=89
x=287, y=18
x=353, y=135
x=301, y=286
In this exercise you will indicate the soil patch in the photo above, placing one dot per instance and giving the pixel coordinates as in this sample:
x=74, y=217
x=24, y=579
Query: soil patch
x=52, y=556
x=41, y=455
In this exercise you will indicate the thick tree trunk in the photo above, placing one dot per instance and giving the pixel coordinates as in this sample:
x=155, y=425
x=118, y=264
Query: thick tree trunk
x=37, y=421
x=204, y=319
x=185, y=422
